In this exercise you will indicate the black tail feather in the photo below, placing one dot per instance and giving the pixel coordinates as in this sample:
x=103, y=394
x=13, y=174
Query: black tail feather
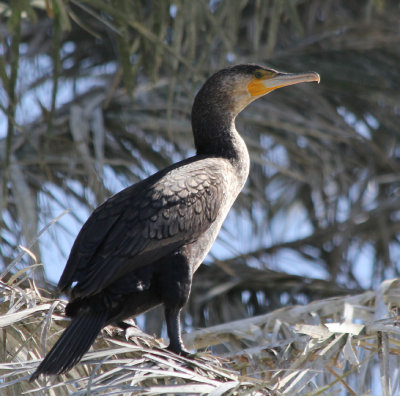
x=72, y=345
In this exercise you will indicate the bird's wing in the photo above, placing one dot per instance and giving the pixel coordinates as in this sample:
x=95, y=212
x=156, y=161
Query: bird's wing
x=145, y=222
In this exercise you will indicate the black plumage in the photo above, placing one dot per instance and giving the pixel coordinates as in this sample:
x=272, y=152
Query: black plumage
x=141, y=247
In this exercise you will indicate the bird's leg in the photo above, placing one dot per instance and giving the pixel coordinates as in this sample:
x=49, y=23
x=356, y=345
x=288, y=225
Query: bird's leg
x=172, y=317
x=174, y=283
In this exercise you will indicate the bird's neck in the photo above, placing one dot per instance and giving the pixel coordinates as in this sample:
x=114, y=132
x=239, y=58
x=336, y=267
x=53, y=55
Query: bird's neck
x=214, y=130
x=215, y=134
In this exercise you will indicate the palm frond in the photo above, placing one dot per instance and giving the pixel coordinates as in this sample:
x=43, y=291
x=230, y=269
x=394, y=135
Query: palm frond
x=328, y=345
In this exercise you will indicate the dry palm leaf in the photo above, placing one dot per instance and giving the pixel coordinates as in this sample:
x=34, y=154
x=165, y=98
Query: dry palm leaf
x=329, y=345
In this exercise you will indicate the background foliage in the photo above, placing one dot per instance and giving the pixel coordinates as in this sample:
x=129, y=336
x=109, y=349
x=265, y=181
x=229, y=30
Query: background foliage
x=97, y=94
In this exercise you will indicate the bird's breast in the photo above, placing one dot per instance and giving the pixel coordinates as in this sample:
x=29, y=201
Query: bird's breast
x=233, y=182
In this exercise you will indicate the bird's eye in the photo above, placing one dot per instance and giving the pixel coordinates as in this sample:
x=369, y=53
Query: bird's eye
x=258, y=74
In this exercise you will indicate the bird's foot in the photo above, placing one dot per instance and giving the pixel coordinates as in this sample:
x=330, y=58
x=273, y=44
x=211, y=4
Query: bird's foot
x=180, y=350
x=124, y=325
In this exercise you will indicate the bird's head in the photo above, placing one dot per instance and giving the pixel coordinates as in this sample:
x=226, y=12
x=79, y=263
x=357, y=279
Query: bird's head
x=226, y=93
x=239, y=85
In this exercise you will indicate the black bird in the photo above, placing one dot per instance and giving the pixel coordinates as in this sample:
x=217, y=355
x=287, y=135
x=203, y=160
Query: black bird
x=141, y=247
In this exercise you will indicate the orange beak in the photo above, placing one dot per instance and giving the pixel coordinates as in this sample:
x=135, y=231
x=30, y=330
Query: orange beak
x=261, y=86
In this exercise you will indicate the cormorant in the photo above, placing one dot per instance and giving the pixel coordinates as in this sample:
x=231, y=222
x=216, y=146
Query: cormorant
x=141, y=247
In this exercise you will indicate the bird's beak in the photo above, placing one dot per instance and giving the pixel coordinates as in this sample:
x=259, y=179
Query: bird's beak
x=267, y=84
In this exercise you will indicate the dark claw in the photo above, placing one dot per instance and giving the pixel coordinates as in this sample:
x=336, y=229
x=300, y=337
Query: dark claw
x=123, y=325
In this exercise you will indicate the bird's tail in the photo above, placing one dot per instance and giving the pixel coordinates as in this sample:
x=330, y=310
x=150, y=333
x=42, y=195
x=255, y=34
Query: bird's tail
x=72, y=345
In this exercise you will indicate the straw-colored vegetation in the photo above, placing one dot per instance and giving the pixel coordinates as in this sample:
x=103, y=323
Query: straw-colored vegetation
x=320, y=348
x=96, y=94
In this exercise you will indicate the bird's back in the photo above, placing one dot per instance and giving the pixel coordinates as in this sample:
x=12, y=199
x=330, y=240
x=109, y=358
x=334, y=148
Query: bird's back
x=183, y=204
